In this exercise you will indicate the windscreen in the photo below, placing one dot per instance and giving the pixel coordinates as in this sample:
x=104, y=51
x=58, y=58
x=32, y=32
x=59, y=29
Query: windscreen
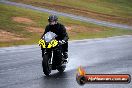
x=49, y=36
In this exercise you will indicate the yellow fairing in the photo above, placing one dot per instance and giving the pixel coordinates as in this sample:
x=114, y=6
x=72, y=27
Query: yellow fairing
x=42, y=43
x=53, y=43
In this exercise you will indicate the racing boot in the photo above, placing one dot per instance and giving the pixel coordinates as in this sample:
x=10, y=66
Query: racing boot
x=65, y=57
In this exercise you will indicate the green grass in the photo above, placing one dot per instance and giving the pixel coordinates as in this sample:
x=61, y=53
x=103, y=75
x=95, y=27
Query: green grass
x=40, y=19
x=119, y=11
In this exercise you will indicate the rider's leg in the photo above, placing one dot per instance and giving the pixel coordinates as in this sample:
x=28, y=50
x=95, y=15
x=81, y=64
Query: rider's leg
x=42, y=51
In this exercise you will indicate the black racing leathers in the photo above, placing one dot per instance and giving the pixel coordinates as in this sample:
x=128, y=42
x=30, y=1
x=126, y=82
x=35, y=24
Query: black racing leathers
x=61, y=33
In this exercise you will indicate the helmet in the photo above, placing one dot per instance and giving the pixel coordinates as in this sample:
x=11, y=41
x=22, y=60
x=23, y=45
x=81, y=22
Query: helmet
x=52, y=18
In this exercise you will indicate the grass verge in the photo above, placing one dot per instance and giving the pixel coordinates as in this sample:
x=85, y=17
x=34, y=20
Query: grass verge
x=119, y=11
x=19, y=26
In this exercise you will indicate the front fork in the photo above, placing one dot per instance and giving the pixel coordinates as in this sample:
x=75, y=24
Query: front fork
x=51, y=60
x=58, y=55
x=49, y=53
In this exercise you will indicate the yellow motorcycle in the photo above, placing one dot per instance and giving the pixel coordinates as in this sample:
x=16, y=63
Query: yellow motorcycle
x=52, y=55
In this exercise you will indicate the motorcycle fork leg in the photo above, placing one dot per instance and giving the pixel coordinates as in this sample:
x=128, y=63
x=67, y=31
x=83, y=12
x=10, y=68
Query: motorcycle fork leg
x=51, y=57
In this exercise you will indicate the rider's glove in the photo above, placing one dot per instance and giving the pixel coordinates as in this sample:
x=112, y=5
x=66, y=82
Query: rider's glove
x=62, y=42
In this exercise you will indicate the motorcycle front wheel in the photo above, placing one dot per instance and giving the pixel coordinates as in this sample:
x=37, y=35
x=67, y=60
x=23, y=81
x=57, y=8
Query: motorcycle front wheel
x=47, y=67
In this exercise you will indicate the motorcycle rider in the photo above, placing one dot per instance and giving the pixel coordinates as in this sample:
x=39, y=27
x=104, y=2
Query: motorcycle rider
x=60, y=30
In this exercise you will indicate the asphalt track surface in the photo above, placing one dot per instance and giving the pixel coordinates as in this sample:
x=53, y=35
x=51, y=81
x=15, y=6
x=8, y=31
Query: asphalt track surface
x=20, y=66
x=80, y=18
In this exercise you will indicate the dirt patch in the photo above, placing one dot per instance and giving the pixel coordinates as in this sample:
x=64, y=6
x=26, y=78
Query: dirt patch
x=78, y=28
x=23, y=20
x=69, y=28
x=35, y=29
x=8, y=36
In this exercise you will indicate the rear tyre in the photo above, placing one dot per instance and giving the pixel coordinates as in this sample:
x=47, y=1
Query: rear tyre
x=46, y=65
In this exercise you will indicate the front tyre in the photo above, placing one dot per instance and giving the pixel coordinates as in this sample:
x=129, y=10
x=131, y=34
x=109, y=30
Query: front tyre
x=46, y=65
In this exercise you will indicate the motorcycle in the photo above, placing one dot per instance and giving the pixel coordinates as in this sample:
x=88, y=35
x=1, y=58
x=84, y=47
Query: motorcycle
x=53, y=58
